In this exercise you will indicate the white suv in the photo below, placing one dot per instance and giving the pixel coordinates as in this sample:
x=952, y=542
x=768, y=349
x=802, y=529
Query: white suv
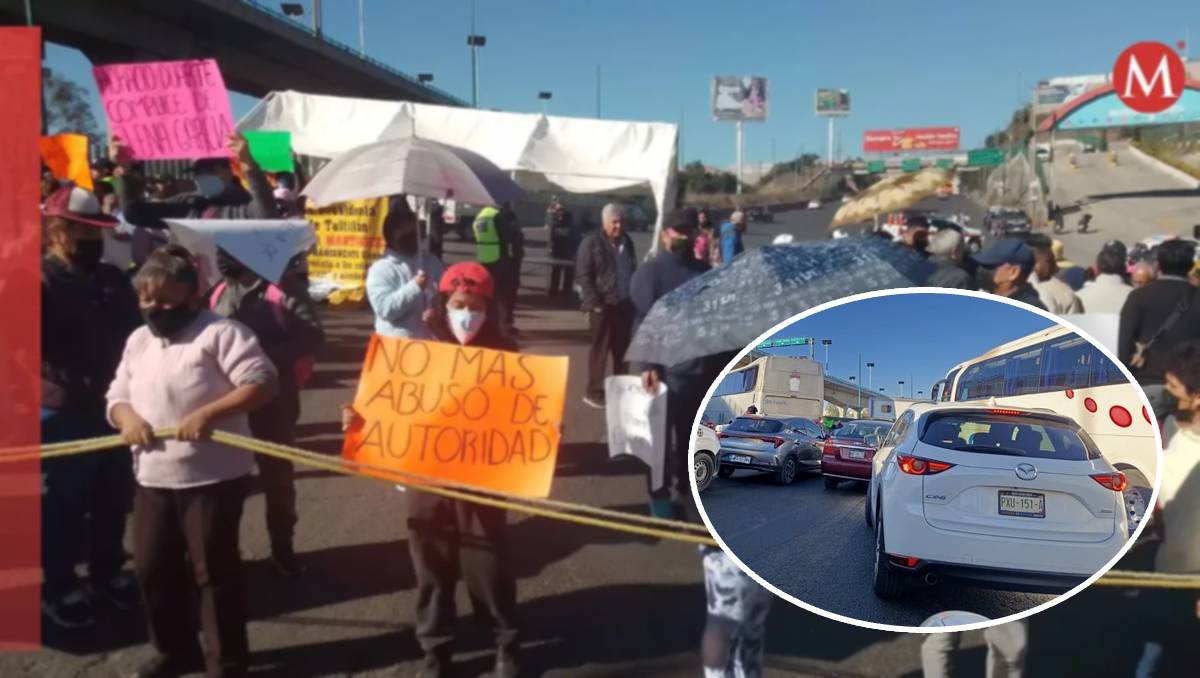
x=1004, y=498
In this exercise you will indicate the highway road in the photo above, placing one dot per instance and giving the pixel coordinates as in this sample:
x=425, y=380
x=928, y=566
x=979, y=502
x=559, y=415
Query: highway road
x=813, y=544
x=1129, y=202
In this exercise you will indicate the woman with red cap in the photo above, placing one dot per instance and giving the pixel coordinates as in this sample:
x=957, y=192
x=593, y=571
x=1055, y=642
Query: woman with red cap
x=451, y=539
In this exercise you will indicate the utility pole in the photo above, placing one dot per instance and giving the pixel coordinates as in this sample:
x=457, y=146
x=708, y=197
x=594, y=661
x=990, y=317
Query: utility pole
x=598, y=90
x=859, y=382
x=682, y=120
x=739, y=157
x=362, y=30
x=316, y=17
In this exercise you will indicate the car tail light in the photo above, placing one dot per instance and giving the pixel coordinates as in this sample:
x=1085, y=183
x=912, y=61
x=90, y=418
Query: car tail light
x=905, y=561
x=1004, y=412
x=1113, y=481
x=916, y=466
x=778, y=441
x=829, y=448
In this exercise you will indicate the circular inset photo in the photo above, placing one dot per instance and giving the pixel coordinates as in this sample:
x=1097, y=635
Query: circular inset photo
x=898, y=455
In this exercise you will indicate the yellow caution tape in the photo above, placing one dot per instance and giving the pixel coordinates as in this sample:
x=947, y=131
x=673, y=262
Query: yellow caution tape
x=581, y=514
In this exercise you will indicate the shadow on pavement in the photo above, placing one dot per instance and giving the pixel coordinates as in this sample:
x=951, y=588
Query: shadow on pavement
x=338, y=657
x=1159, y=193
x=537, y=543
x=591, y=459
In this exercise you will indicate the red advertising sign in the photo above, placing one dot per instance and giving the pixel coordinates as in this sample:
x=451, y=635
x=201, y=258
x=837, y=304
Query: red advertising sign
x=916, y=139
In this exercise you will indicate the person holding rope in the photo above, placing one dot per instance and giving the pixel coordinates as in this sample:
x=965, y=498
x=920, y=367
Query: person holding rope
x=190, y=369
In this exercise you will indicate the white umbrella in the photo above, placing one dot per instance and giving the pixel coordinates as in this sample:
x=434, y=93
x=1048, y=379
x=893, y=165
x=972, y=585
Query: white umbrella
x=411, y=166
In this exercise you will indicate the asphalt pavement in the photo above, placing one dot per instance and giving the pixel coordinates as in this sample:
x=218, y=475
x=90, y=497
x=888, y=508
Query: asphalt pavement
x=813, y=543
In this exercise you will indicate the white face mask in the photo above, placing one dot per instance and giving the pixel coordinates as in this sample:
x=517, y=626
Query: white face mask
x=465, y=323
x=208, y=185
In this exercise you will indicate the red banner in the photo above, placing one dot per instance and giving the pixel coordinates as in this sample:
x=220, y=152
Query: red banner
x=20, y=361
x=916, y=139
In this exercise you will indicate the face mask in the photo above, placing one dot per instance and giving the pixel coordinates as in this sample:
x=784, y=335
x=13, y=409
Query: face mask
x=165, y=323
x=683, y=246
x=229, y=267
x=465, y=323
x=208, y=185
x=86, y=257
x=986, y=278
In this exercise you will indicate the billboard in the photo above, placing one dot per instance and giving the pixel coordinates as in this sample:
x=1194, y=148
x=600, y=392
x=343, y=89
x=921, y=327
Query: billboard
x=916, y=139
x=1055, y=92
x=739, y=97
x=833, y=102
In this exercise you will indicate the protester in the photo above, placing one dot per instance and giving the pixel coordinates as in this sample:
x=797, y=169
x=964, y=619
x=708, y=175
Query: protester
x=1006, y=645
x=190, y=369
x=451, y=539
x=731, y=236
x=289, y=331
x=1158, y=317
x=564, y=244
x=1143, y=273
x=674, y=265
x=706, y=239
x=1107, y=293
x=1004, y=270
x=752, y=410
x=499, y=247
x=735, y=627
x=1056, y=295
x=946, y=253
x=88, y=311
x=436, y=236
x=604, y=270
x=1174, y=622
x=217, y=195
x=399, y=284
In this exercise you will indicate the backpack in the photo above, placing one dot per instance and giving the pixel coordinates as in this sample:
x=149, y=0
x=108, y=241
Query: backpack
x=302, y=368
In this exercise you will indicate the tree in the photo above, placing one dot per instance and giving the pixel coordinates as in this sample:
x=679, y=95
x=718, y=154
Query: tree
x=66, y=106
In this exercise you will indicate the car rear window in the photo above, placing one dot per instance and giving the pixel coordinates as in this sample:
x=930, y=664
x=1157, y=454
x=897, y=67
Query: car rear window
x=861, y=431
x=747, y=425
x=1022, y=436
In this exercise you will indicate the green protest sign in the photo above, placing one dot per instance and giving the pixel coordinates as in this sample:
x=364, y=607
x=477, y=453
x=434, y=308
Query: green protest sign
x=271, y=150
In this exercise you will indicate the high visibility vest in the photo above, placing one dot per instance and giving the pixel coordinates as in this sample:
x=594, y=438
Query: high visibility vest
x=487, y=239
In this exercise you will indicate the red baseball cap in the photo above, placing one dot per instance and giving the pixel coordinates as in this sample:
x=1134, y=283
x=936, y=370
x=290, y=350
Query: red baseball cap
x=469, y=276
x=76, y=204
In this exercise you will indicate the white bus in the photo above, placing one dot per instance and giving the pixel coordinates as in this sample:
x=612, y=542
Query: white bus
x=1058, y=370
x=778, y=386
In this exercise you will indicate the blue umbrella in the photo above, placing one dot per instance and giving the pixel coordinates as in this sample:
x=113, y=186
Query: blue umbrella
x=727, y=308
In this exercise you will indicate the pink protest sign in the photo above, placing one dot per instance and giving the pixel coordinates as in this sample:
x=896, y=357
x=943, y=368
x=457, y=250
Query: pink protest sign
x=167, y=109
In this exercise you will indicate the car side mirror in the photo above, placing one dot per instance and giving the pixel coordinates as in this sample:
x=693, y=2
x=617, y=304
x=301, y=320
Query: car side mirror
x=875, y=441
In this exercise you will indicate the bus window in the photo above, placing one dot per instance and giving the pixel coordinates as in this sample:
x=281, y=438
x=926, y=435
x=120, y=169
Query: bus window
x=983, y=380
x=948, y=389
x=1025, y=373
x=741, y=381
x=1069, y=364
x=1106, y=371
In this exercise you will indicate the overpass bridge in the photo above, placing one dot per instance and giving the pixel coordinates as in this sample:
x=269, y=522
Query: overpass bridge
x=258, y=49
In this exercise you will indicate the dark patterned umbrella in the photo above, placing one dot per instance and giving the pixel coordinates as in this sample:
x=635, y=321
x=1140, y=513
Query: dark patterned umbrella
x=727, y=308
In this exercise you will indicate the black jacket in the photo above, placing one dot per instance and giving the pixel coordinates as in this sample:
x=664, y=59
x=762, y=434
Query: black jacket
x=652, y=282
x=234, y=203
x=1026, y=294
x=950, y=274
x=1147, y=309
x=564, y=238
x=596, y=269
x=86, y=320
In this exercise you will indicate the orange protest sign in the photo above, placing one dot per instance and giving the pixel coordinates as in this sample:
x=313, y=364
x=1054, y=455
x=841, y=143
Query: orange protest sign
x=485, y=418
x=66, y=155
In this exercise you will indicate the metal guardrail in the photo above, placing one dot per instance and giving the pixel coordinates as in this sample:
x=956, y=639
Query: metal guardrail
x=279, y=16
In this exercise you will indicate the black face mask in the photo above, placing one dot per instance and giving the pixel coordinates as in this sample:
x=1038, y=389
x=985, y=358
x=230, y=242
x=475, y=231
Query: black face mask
x=165, y=323
x=683, y=246
x=86, y=257
x=228, y=266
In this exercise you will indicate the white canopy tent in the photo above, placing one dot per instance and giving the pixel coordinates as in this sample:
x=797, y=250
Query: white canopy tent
x=578, y=155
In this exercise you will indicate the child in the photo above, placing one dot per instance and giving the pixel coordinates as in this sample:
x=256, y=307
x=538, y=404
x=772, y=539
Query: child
x=191, y=369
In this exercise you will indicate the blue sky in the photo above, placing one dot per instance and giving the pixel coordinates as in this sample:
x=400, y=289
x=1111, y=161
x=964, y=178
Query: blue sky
x=914, y=337
x=906, y=63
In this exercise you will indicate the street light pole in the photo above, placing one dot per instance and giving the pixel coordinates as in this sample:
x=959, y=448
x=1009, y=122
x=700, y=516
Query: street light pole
x=870, y=375
x=826, y=343
x=545, y=97
x=362, y=30
x=901, y=388
x=860, y=382
x=316, y=10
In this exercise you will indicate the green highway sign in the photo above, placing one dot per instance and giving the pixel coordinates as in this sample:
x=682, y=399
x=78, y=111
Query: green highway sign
x=911, y=165
x=987, y=157
x=945, y=163
x=877, y=166
x=794, y=341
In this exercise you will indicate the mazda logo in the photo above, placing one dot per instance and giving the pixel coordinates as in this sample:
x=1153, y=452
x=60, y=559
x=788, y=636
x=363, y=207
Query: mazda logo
x=1026, y=471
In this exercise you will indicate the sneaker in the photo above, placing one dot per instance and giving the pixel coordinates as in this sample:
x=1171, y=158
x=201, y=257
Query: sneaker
x=71, y=612
x=287, y=564
x=433, y=666
x=506, y=665
x=170, y=666
x=120, y=592
x=594, y=401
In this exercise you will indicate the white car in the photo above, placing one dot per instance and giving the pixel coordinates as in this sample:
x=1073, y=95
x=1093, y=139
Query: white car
x=706, y=457
x=814, y=204
x=999, y=497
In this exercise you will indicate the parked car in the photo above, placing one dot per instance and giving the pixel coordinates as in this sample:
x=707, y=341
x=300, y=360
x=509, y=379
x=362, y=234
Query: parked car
x=761, y=214
x=848, y=451
x=1006, y=221
x=782, y=447
x=814, y=204
x=1018, y=499
x=706, y=459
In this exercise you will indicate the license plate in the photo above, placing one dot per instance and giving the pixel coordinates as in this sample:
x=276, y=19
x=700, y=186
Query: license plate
x=1023, y=504
x=738, y=459
x=856, y=454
